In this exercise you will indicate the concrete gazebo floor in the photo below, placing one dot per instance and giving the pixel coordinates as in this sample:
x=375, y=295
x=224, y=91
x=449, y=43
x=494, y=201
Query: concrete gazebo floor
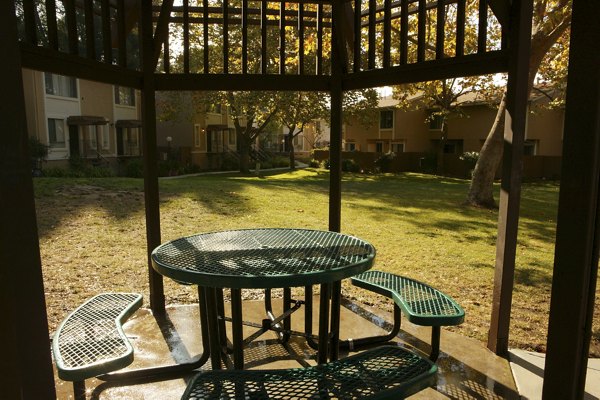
x=467, y=370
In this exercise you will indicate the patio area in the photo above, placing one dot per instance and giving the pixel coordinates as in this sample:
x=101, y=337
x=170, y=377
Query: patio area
x=347, y=54
x=467, y=369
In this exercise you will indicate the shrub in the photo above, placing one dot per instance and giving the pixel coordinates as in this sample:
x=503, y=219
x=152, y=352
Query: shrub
x=349, y=165
x=230, y=163
x=314, y=163
x=470, y=158
x=134, y=168
x=280, y=162
x=38, y=153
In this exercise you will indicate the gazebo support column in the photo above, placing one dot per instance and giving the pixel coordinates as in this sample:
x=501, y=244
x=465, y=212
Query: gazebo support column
x=578, y=222
x=157, y=296
x=335, y=146
x=26, y=364
x=510, y=195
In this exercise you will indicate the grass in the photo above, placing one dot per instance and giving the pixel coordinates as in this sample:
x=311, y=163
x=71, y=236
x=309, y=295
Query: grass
x=93, y=236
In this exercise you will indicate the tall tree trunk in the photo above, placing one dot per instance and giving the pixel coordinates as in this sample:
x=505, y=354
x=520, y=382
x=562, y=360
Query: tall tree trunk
x=481, y=192
x=290, y=141
x=244, y=153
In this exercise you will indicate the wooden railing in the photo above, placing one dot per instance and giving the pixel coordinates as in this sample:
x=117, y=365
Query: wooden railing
x=264, y=37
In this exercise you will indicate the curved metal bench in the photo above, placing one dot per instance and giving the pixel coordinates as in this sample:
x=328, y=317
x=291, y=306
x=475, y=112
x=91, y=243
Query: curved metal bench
x=422, y=304
x=91, y=342
x=386, y=372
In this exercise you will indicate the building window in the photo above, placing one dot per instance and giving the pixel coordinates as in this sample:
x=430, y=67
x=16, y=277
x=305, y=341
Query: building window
x=214, y=108
x=386, y=119
x=453, y=147
x=350, y=146
x=530, y=147
x=91, y=134
x=125, y=96
x=436, y=122
x=59, y=85
x=398, y=148
x=56, y=133
x=104, y=137
x=379, y=147
x=232, y=138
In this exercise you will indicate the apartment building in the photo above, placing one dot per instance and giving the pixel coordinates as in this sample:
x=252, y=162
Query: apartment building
x=402, y=131
x=79, y=118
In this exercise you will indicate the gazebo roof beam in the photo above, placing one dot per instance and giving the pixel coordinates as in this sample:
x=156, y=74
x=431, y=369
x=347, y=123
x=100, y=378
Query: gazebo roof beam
x=501, y=9
x=162, y=28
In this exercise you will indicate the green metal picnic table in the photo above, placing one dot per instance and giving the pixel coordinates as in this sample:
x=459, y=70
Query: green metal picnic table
x=264, y=259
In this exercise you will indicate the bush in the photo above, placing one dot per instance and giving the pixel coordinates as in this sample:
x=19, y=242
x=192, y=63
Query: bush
x=38, y=153
x=470, y=159
x=134, y=168
x=56, y=172
x=77, y=163
x=279, y=162
x=230, y=163
x=314, y=163
x=349, y=165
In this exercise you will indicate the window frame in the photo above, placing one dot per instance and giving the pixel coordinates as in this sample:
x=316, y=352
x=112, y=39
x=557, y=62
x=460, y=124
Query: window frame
x=395, y=144
x=386, y=120
x=64, y=133
x=51, y=81
x=118, y=99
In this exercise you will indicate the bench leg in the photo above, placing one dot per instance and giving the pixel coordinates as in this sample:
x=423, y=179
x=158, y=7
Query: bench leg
x=355, y=344
x=435, y=343
x=79, y=390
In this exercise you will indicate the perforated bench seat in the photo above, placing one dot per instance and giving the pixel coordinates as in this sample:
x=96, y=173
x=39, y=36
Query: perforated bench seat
x=386, y=372
x=422, y=304
x=91, y=342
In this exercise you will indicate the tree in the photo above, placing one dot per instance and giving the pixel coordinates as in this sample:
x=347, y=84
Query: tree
x=551, y=20
x=445, y=99
x=297, y=109
x=251, y=113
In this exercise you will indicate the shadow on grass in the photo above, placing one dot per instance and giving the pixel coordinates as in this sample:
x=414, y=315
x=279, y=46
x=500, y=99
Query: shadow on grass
x=532, y=277
x=408, y=195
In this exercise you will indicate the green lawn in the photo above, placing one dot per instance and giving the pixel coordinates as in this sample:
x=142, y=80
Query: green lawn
x=93, y=235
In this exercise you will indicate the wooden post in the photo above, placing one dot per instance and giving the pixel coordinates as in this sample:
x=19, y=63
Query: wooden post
x=157, y=296
x=510, y=194
x=578, y=222
x=335, y=147
x=26, y=364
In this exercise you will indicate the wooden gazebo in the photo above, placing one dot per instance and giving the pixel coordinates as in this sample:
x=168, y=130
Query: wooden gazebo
x=129, y=43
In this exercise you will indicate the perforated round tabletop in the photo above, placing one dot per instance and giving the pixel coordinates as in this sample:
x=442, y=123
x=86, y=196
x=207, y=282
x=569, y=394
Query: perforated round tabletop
x=263, y=258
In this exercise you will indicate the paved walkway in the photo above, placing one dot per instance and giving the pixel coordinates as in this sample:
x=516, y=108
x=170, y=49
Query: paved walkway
x=299, y=165
x=528, y=370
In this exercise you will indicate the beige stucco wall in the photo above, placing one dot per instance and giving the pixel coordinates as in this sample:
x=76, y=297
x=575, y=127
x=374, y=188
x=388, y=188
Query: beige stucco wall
x=411, y=129
x=473, y=127
x=94, y=99
x=547, y=127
